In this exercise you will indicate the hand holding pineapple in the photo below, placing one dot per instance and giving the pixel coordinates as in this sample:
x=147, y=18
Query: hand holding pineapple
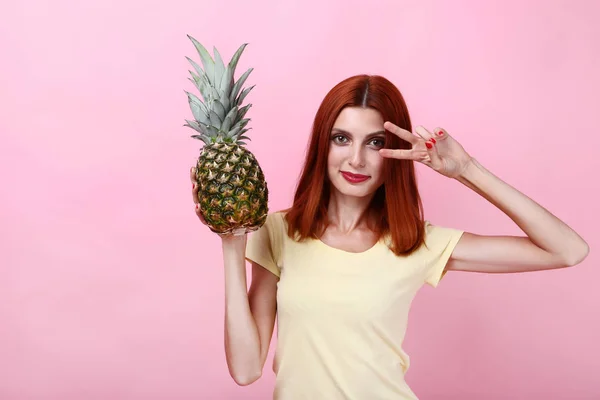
x=230, y=187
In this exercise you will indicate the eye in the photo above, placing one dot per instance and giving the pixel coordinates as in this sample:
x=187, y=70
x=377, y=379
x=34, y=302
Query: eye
x=339, y=139
x=378, y=142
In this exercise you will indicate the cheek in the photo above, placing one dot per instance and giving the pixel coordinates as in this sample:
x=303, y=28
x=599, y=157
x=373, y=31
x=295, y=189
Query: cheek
x=335, y=157
x=377, y=163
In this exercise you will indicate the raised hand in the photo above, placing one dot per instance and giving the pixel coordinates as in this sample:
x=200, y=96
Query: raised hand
x=439, y=151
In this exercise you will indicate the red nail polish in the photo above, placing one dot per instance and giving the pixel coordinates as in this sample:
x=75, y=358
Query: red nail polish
x=429, y=145
x=440, y=133
x=433, y=140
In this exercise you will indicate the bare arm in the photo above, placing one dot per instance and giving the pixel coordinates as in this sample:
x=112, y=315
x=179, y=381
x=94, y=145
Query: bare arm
x=550, y=243
x=249, y=315
x=263, y=304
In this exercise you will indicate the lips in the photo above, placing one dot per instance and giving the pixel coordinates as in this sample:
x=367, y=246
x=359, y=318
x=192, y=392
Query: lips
x=354, y=178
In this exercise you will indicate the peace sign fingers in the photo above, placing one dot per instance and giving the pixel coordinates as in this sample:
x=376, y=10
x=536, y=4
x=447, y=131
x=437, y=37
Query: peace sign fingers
x=401, y=133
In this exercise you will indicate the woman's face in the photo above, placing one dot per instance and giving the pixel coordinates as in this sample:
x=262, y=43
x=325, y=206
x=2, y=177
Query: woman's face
x=354, y=165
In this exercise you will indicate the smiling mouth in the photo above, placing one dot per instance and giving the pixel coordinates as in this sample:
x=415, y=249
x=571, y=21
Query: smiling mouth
x=354, y=178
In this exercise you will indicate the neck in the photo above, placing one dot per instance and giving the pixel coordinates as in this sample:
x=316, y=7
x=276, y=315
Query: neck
x=348, y=213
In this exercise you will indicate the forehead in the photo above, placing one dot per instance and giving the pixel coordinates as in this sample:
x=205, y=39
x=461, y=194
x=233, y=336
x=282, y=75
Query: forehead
x=359, y=120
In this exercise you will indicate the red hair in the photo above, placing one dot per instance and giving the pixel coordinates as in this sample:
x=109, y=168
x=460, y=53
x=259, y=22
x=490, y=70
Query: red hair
x=396, y=205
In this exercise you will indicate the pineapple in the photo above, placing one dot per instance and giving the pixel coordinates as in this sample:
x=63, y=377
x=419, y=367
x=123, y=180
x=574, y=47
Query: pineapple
x=232, y=190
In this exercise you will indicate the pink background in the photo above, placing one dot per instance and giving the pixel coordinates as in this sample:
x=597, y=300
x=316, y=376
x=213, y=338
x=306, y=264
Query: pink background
x=111, y=289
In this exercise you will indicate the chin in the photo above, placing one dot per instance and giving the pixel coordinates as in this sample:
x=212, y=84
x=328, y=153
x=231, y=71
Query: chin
x=348, y=189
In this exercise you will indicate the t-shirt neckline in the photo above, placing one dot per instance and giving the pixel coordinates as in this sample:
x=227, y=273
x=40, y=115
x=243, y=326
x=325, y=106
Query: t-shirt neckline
x=351, y=253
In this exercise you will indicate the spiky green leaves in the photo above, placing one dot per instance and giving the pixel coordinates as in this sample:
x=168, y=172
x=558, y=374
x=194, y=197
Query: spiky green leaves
x=219, y=118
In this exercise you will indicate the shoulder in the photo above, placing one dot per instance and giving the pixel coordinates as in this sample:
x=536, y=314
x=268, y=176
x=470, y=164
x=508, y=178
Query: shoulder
x=275, y=226
x=265, y=245
x=434, y=229
x=437, y=235
x=276, y=220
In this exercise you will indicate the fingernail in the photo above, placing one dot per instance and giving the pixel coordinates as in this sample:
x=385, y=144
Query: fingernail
x=440, y=133
x=196, y=206
x=429, y=145
x=433, y=140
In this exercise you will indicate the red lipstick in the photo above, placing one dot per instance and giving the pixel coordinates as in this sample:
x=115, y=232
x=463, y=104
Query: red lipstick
x=354, y=178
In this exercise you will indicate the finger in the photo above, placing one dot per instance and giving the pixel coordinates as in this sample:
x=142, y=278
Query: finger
x=193, y=174
x=424, y=133
x=434, y=157
x=195, y=189
x=401, y=133
x=415, y=155
x=440, y=133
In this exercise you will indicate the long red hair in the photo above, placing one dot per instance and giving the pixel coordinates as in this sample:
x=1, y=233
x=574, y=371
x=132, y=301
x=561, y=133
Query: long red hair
x=396, y=206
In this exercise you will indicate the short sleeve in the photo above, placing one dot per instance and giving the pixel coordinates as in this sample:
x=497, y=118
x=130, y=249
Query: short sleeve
x=440, y=243
x=264, y=246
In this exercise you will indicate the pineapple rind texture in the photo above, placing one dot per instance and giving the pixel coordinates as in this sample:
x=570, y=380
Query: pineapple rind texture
x=233, y=193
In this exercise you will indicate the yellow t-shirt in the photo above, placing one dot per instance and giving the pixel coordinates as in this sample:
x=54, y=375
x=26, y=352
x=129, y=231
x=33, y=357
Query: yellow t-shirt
x=341, y=316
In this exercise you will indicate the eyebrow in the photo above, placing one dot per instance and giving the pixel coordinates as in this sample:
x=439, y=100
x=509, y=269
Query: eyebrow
x=382, y=132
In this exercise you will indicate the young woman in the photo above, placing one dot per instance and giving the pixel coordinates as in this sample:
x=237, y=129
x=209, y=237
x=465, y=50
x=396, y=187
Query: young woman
x=340, y=267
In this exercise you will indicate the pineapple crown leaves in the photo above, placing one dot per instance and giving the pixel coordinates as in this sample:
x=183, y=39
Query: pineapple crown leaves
x=218, y=117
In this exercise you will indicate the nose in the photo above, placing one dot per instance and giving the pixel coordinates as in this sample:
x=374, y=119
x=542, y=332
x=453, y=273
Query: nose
x=357, y=159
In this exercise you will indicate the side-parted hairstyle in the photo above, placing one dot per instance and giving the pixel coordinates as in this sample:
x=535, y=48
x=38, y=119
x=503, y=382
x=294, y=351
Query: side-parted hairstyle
x=397, y=206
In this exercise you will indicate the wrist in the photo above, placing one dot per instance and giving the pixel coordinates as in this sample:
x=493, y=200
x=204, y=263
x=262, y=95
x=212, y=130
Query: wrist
x=470, y=170
x=230, y=242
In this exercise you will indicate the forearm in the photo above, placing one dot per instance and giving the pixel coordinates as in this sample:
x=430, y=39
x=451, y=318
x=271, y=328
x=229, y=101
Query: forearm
x=242, y=343
x=542, y=227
